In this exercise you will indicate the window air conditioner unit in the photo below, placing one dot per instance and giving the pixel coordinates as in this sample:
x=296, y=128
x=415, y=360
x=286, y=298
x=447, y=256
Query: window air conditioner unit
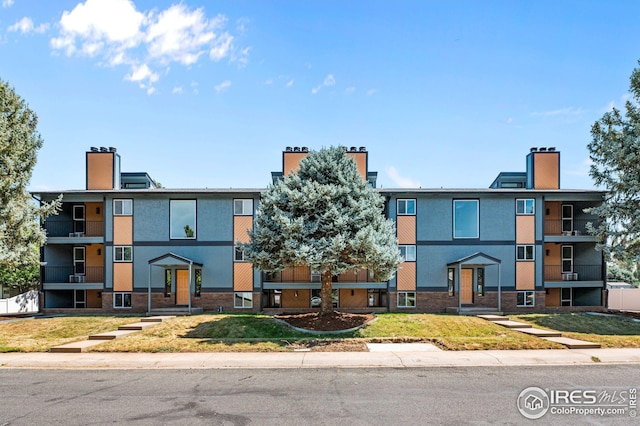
x=316, y=277
x=72, y=278
x=79, y=278
x=79, y=234
x=570, y=276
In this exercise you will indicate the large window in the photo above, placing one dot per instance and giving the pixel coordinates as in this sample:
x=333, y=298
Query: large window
x=525, y=252
x=121, y=300
x=243, y=207
x=406, y=299
x=525, y=299
x=525, y=206
x=183, y=219
x=567, y=218
x=406, y=207
x=408, y=253
x=122, y=207
x=122, y=254
x=243, y=300
x=466, y=219
x=78, y=260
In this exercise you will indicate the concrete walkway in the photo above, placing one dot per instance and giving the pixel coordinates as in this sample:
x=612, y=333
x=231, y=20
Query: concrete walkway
x=402, y=358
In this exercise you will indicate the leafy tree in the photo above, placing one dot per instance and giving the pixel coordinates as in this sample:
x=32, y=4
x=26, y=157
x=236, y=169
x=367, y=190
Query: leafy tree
x=19, y=213
x=21, y=279
x=615, y=156
x=326, y=217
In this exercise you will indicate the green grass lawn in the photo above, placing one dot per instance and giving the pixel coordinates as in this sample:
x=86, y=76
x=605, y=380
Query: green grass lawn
x=610, y=332
x=260, y=333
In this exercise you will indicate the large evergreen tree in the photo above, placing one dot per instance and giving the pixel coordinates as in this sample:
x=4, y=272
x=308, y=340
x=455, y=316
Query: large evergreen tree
x=20, y=231
x=326, y=217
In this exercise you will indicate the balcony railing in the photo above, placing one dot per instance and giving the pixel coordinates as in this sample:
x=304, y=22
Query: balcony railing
x=302, y=274
x=71, y=274
x=575, y=227
x=74, y=228
x=578, y=273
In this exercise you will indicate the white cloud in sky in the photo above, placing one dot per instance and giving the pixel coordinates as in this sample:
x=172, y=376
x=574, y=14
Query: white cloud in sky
x=401, y=181
x=117, y=33
x=7, y=3
x=329, y=81
x=178, y=90
x=289, y=83
x=581, y=169
x=222, y=86
x=372, y=92
x=619, y=104
x=567, y=112
x=25, y=26
x=349, y=90
x=268, y=81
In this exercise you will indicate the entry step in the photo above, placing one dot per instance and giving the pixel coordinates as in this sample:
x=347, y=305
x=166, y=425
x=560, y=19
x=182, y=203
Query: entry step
x=137, y=326
x=512, y=324
x=75, y=347
x=494, y=317
x=111, y=335
x=573, y=343
x=539, y=332
x=157, y=318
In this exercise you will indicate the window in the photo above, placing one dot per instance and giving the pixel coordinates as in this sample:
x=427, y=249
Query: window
x=167, y=283
x=78, y=220
x=480, y=281
x=78, y=260
x=121, y=300
x=406, y=207
x=316, y=276
x=183, y=219
x=406, y=299
x=198, y=276
x=238, y=254
x=525, y=298
x=567, y=259
x=466, y=220
x=122, y=254
x=451, y=275
x=243, y=300
x=408, y=253
x=524, y=252
x=243, y=207
x=122, y=207
x=526, y=206
x=566, y=296
x=567, y=218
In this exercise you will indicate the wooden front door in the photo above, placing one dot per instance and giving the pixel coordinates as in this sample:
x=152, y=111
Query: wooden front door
x=182, y=287
x=466, y=286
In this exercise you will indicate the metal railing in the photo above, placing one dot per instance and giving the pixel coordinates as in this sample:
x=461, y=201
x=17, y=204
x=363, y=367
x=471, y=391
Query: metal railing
x=71, y=275
x=302, y=274
x=74, y=228
x=575, y=227
x=578, y=273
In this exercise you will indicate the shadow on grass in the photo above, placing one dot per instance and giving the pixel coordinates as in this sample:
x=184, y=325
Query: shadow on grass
x=586, y=324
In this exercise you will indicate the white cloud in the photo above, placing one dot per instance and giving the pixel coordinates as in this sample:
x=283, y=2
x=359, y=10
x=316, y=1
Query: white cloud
x=178, y=90
x=562, y=112
x=142, y=73
x=268, y=81
x=289, y=83
x=349, y=90
x=7, y=3
x=372, y=92
x=619, y=104
x=222, y=86
x=401, y=181
x=581, y=169
x=25, y=26
x=329, y=81
x=117, y=33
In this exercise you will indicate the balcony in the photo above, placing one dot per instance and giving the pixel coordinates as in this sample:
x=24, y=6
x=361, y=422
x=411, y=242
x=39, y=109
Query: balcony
x=69, y=277
x=578, y=276
x=302, y=274
x=568, y=230
x=73, y=231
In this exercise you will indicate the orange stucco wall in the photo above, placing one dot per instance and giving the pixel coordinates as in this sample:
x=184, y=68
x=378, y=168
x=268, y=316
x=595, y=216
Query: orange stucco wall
x=546, y=170
x=357, y=300
x=406, y=226
x=407, y=276
x=94, y=263
x=554, y=261
x=290, y=300
x=296, y=274
x=361, y=162
x=123, y=230
x=242, y=276
x=94, y=215
x=100, y=170
x=525, y=275
x=93, y=301
x=240, y=226
x=525, y=229
x=553, y=297
x=123, y=276
x=291, y=161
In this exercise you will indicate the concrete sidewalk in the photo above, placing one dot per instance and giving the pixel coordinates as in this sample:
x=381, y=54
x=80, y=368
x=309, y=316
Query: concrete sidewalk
x=402, y=358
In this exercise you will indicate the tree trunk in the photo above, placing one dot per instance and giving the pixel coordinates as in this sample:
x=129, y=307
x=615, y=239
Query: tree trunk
x=326, y=293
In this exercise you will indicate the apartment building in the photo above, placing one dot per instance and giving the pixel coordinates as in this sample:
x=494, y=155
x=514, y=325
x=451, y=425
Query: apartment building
x=122, y=244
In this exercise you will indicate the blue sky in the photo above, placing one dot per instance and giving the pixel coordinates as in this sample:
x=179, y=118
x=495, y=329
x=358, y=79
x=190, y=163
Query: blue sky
x=209, y=93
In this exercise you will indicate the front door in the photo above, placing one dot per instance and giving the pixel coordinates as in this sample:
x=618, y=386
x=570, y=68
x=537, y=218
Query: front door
x=466, y=286
x=182, y=287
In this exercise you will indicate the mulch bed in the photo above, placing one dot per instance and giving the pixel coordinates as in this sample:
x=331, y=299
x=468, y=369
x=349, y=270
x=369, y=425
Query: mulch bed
x=335, y=321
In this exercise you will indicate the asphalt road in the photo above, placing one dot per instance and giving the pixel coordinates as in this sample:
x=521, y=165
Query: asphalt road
x=478, y=395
